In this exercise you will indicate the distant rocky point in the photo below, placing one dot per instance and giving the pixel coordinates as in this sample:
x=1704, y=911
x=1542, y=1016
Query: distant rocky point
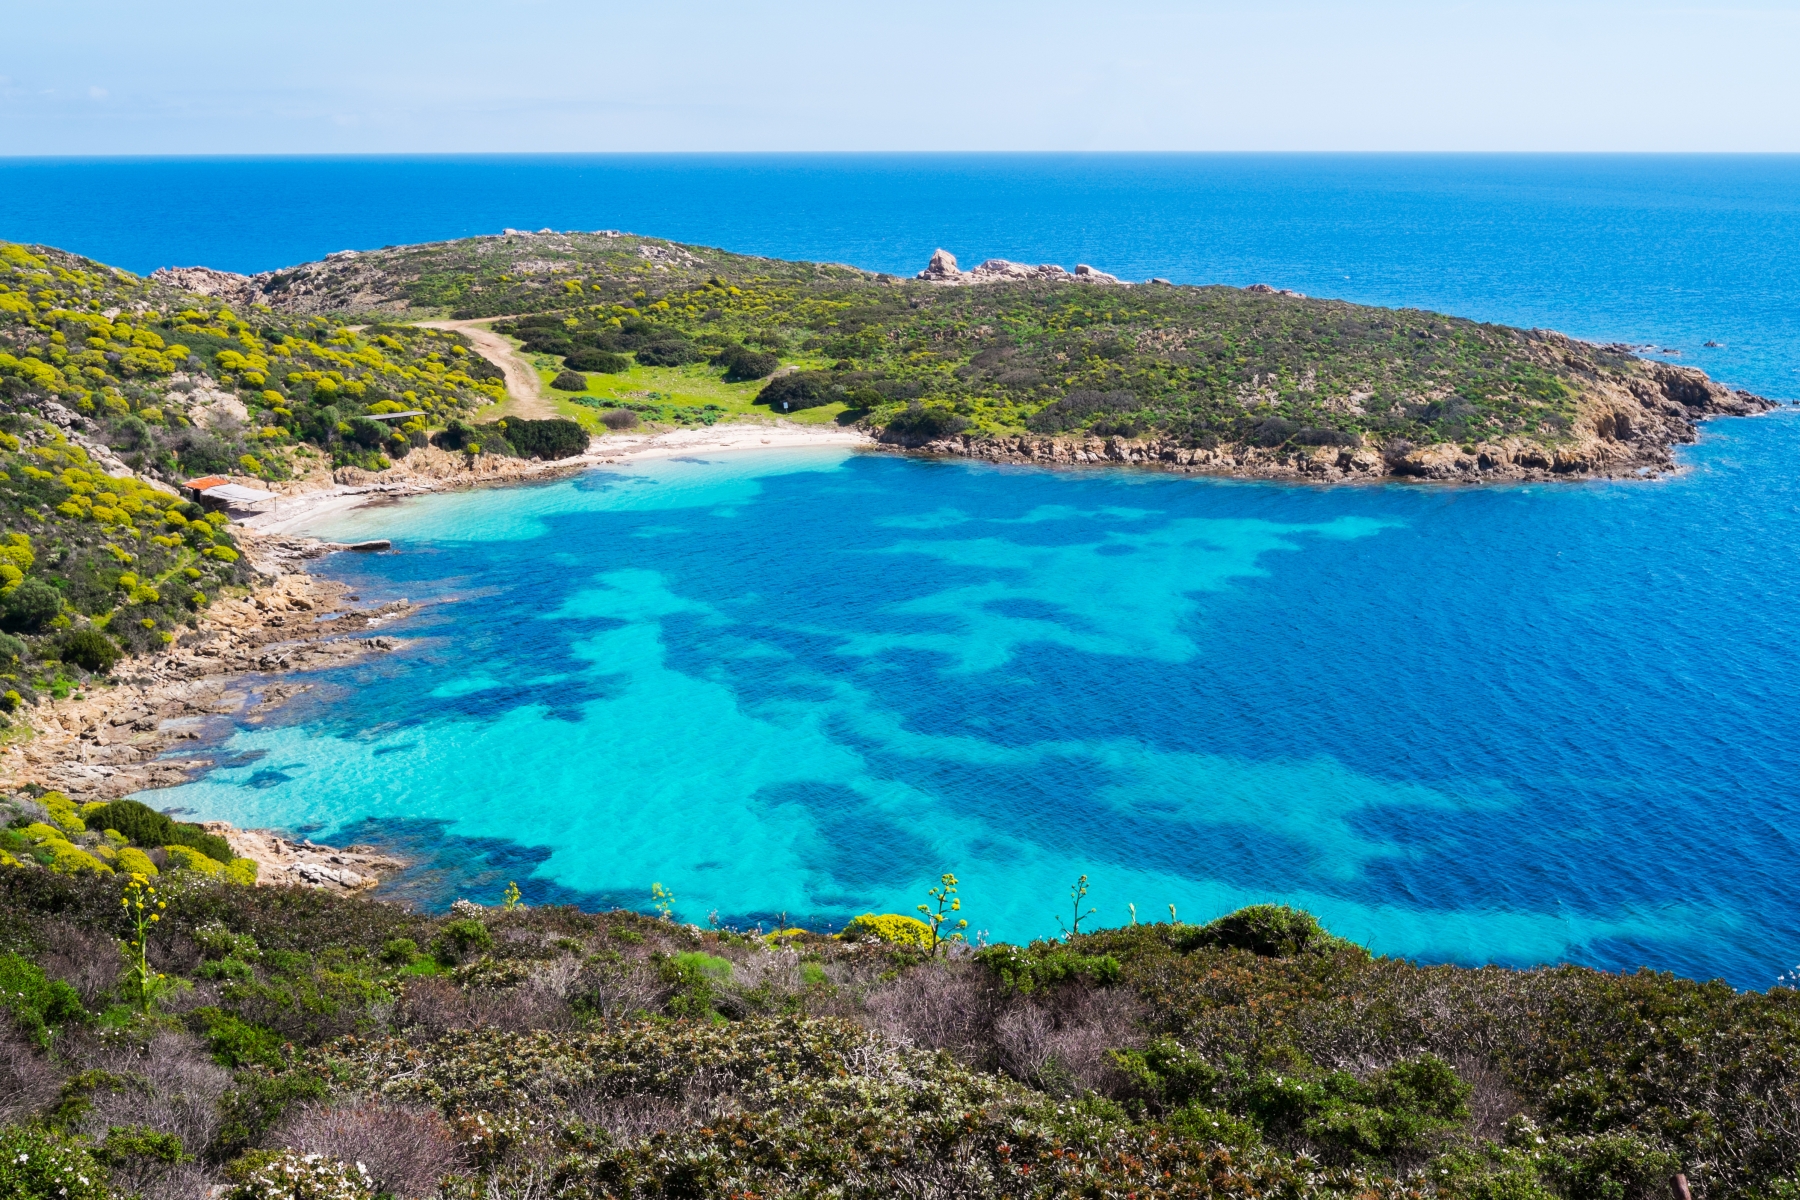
x=943, y=269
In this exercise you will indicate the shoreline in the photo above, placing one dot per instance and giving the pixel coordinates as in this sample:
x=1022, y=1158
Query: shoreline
x=114, y=739
x=430, y=470
x=109, y=741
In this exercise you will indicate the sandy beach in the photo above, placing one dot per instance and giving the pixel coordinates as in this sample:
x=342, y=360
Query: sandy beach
x=433, y=470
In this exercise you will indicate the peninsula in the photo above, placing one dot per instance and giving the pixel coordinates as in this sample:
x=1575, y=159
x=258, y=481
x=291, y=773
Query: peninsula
x=1038, y=363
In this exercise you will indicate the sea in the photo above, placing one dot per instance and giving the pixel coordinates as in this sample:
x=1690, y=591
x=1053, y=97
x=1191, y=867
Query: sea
x=1519, y=724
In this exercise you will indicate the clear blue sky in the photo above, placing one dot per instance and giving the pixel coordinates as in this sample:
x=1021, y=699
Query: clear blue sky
x=327, y=76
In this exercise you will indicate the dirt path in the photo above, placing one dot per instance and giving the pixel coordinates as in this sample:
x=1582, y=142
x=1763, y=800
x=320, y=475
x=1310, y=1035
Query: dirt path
x=522, y=384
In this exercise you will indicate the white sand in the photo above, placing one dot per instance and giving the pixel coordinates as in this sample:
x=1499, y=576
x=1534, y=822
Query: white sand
x=627, y=447
x=290, y=514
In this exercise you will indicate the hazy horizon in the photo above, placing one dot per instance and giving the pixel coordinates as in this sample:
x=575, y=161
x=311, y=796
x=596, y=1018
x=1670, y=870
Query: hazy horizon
x=96, y=78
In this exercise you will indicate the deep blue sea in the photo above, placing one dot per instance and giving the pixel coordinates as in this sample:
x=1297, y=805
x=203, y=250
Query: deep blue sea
x=1521, y=725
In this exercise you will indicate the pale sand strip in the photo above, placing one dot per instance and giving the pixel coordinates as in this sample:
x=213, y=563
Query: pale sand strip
x=292, y=513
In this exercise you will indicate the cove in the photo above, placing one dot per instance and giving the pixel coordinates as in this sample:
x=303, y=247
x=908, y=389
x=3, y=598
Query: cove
x=1516, y=725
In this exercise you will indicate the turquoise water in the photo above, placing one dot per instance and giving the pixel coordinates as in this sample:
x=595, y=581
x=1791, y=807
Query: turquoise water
x=1513, y=724
x=1519, y=725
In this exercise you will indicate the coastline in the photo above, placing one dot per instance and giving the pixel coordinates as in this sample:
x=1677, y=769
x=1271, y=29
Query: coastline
x=110, y=740
x=426, y=470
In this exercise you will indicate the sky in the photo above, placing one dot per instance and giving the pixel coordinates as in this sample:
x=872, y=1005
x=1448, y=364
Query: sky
x=88, y=77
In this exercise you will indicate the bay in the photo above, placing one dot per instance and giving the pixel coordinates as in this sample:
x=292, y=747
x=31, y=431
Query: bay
x=1523, y=724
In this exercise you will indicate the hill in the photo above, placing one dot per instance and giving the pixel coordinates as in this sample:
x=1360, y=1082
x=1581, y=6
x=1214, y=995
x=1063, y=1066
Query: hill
x=1039, y=363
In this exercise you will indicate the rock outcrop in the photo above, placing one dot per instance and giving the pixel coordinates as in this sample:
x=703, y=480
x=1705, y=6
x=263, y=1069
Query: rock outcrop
x=943, y=269
x=204, y=281
x=112, y=741
x=284, y=862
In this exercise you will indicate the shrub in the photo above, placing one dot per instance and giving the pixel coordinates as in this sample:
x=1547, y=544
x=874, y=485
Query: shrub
x=1268, y=930
x=187, y=858
x=398, y=952
x=801, y=389
x=290, y=1175
x=404, y=1149
x=603, y=362
x=90, y=650
x=1045, y=965
x=570, y=381
x=619, y=418
x=233, y=1041
x=38, y=1165
x=916, y=423
x=555, y=438
x=695, y=978
x=29, y=607
x=144, y=826
x=458, y=939
x=668, y=351
x=11, y=649
x=893, y=928
x=742, y=364
x=1076, y=407
x=39, y=1005
x=1325, y=437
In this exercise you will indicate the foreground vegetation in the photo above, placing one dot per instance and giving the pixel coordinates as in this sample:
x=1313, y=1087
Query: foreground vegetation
x=301, y=1045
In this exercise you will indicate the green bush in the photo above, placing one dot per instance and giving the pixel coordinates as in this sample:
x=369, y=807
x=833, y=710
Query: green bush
x=1046, y=965
x=398, y=952
x=12, y=650
x=569, y=381
x=90, y=650
x=695, y=978
x=603, y=362
x=38, y=1165
x=669, y=350
x=31, y=606
x=916, y=423
x=39, y=1005
x=555, y=438
x=144, y=826
x=233, y=1041
x=458, y=939
x=1268, y=930
x=125, y=1143
x=1394, y=1110
x=743, y=364
x=802, y=389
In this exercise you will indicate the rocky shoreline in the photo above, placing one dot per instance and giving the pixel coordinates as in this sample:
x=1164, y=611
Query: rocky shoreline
x=110, y=741
x=1627, y=433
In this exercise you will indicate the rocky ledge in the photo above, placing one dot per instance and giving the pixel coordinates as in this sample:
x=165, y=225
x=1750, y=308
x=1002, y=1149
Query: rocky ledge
x=1626, y=430
x=111, y=741
x=284, y=862
x=943, y=269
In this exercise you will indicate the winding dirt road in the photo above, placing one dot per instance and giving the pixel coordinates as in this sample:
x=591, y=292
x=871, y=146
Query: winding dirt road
x=525, y=392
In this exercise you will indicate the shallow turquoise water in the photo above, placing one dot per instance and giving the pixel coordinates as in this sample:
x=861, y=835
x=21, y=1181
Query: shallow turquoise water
x=1513, y=724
